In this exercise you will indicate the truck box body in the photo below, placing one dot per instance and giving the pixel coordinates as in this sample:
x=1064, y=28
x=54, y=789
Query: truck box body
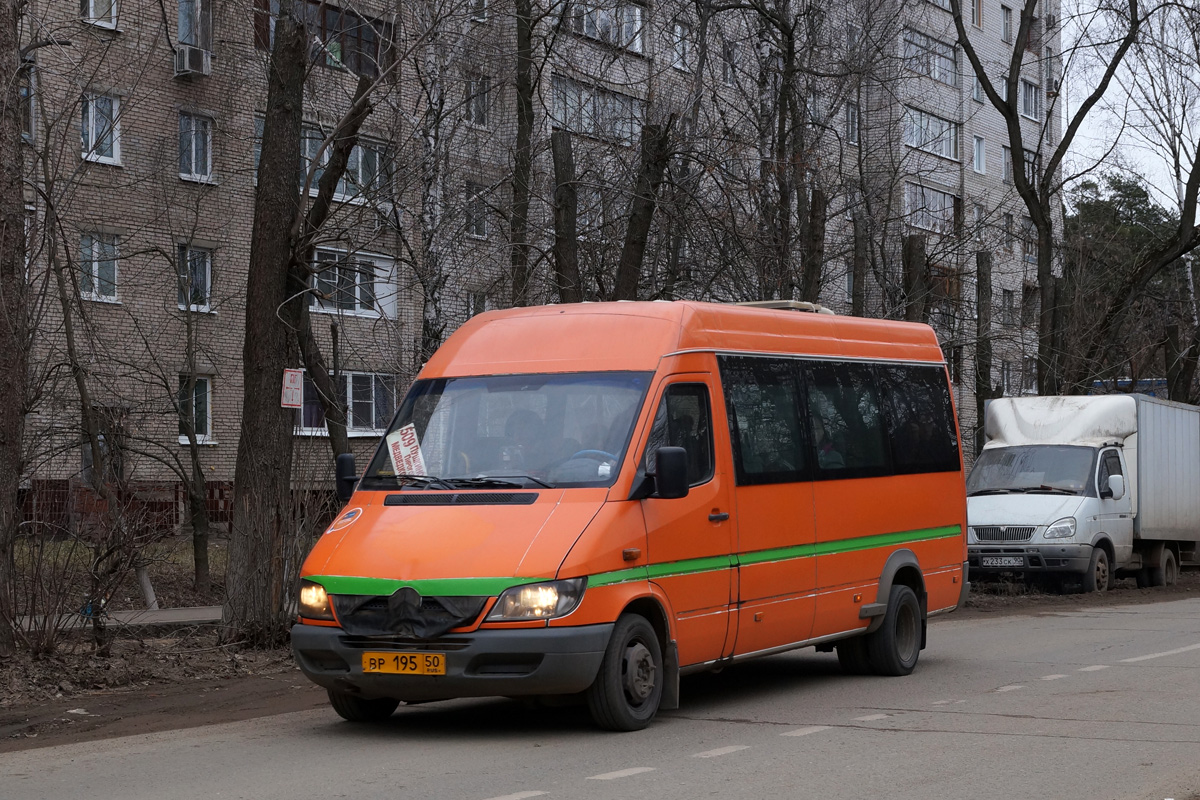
x=1167, y=478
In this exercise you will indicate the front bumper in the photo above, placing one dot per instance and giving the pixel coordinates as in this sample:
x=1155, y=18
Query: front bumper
x=485, y=663
x=1029, y=558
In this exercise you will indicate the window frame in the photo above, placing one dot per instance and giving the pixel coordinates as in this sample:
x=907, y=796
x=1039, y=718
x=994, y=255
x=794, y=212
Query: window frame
x=928, y=56
x=356, y=263
x=1030, y=96
x=207, y=438
x=1006, y=18
x=352, y=431
x=201, y=24
x=108, y=239
x=625, y=29
x=928, y=216
x=477, y=99
x=475, y=222
x=853, y=130
x=681, y=45
x=88, y=14
x=184, y=253
x=918, y=124
x=209, y=124
x=351, y=188
x=979, y=155
x=88, y=129
x=664, y=396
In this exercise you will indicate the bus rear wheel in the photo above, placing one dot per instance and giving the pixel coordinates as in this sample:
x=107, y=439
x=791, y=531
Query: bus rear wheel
x=894, y=648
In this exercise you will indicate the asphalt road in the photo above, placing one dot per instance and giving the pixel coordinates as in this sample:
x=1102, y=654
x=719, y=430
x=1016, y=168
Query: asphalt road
x=1099, y=703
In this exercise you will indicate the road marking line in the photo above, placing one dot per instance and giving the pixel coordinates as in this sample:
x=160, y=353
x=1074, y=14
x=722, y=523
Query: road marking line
x=1174, y=652
x=806, y=731
x=1052, y=677
x=1094, y=668
x=621, y=773
x=1010, y=688
x=941, y=702
x=871, y=717
x=519, y=796
x=722, y=751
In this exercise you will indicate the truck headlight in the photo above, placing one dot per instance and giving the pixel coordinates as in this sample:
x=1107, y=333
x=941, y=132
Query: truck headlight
x=1062, y=529
x=539, y=600
x=314, y=602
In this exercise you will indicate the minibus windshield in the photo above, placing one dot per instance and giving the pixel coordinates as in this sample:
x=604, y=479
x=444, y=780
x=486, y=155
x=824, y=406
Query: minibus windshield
x=510, y=431
x=1032, y=469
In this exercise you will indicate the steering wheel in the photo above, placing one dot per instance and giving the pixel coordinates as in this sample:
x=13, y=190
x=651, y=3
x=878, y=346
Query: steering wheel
x=599, y=455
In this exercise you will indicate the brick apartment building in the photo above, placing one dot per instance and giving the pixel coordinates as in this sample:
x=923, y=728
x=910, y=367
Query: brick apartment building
x=142, y=126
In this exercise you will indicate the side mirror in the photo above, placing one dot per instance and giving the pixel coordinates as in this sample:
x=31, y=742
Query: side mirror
x=671, y=473
x=346, y=476
x=1116, y=486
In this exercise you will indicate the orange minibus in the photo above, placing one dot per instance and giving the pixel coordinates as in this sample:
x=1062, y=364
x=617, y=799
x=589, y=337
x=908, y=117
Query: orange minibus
x=596, y=499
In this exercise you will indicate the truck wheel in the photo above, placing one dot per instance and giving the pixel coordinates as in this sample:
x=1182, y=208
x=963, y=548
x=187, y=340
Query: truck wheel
x=853, y=658
x=893, y=649
x=353, y=708
x=1097, y=577
x=1166, y=572
x=626, y=694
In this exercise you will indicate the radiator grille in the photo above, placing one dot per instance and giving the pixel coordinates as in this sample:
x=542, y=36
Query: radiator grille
x=1004, y=533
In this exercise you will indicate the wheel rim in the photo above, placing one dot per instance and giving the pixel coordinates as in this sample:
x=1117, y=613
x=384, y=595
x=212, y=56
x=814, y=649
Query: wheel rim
x=1102, y=573
x=906, y=633
x=1169, y=574
x=640, y=673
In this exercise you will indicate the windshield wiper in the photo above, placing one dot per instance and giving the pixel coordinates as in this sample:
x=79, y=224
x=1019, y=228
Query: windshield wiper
x=1044, y=488
x=422, y=482
x=520, y=476
x=978, y=492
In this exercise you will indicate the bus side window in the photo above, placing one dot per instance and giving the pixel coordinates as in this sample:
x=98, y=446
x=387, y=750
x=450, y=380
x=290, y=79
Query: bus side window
x=684, y=419
x=920, y=419
x=847, y=426
x=762, y=396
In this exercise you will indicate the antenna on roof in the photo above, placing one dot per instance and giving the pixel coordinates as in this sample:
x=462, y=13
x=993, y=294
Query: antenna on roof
x=788, y=305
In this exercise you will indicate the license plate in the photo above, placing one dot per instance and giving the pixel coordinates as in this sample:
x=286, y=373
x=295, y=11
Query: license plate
x=1002, y=561
x=405, y=663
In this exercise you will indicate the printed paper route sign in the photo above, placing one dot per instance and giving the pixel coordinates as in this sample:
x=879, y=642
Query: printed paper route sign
x=405, y=449
x=293, y=388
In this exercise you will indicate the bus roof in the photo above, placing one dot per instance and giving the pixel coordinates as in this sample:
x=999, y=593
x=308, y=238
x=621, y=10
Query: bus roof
x=635, y=336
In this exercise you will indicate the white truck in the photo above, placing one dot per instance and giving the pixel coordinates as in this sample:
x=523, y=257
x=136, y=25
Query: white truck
x=1086, y=488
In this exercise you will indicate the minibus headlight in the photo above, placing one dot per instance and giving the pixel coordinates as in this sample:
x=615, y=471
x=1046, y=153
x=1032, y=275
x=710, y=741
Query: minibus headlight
x=314, y=602
x=539, y=600
x=1062, y=529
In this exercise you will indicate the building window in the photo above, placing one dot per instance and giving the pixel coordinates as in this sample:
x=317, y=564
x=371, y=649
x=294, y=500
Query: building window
x=1006, y=31
x=590, y=216
x=930, y=133
x=1008, y=309
x=27, y=102
x=980, y=156
x=476, y=210
x=1006, y=157
x=978, y=220
x=941, y=4
x=100, y=128
x=729, y=63
x=478, y=99
x=619, y=25
x=194, y=266
x=1031, y=100
x=977, y=93
x=98, y=266
x=1006, y=377
x=681, y=46
x=195, y=23
x=1008, y=232
x=477, y=303
x=195, y=406
x=1030, y=303
x=369, y=400
x=931, y=209
x=195, y=147
x=852, y=123
x=366, y=169
x=1033, y=167
x=1029, y=374
x=340, y=38
x=593, y=111
x=347, y=284
x=928, y=56
x=1029, y=241
x=977, y=13
x=99, y=12
x=478, y=9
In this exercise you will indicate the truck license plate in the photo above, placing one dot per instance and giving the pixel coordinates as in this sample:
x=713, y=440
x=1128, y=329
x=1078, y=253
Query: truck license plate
x=404, y=663
x=1002, y=561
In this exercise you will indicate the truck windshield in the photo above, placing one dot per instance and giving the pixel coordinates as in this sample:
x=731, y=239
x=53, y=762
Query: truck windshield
x=515, y=431
x=1035, y=469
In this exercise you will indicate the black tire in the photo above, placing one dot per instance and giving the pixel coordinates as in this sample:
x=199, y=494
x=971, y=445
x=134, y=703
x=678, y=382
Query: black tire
x=894, y=648
x=353, y=708
x=628, y=689
x=1099, y=575
x=853, y=658
x=1166, y=571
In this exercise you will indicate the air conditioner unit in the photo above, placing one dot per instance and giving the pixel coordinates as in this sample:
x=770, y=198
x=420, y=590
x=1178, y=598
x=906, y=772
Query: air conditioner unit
x=191, y=61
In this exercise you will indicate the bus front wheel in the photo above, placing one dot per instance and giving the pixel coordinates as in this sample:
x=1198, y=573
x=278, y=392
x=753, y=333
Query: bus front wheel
x=626, y=693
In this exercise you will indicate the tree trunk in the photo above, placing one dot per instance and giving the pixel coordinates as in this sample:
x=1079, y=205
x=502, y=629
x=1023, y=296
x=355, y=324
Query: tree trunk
x=14, y=334
x=916, y=289
x=523, y=155
x=654, y=155
x=814, y=247
x=261, y=536
x=858, y=269
x=983, y=343
x=1181, y=360
x=566, y=211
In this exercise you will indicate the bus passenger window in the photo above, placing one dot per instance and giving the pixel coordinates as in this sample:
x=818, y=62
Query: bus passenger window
x=920, y=419
x=683, y=420
x=762, y=396
x=847, y=427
